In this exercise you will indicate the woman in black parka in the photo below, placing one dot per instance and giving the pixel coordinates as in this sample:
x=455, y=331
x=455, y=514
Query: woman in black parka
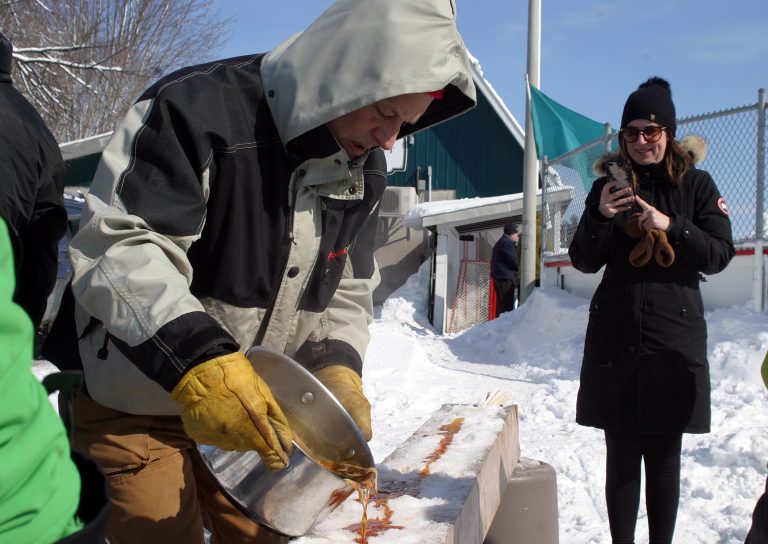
x=645, y=375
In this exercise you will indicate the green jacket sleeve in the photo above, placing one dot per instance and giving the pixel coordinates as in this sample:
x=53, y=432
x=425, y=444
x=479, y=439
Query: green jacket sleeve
x=39, y=483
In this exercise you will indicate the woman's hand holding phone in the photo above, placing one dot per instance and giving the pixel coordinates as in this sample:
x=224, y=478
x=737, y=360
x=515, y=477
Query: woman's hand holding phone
x=617, y=195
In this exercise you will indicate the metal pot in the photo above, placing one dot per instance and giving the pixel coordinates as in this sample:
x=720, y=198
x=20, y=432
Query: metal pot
x=291, y=501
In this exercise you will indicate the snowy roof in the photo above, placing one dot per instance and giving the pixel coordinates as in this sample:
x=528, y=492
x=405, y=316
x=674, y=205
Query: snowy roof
x=85, y=146
x=465, y=211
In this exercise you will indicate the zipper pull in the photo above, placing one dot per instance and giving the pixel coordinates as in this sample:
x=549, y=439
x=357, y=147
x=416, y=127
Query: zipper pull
x=103, y=352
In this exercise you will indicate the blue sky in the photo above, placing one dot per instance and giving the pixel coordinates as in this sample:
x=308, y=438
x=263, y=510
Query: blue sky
x=593, y=54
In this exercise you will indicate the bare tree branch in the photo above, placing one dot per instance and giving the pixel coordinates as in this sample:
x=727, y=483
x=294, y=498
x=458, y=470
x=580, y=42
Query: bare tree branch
x=82, y=62
x=62, y=62
x=50, y=49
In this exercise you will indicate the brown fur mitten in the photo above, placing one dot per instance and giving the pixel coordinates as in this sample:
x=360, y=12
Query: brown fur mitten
x=662, y=250
x=641, y=254
x=632, y=228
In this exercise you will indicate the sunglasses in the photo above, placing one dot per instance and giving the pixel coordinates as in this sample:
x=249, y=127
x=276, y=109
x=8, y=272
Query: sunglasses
x=651, y=134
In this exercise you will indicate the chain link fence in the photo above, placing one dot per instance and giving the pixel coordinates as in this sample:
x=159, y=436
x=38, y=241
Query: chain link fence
x=735, y=142
x=473, y=296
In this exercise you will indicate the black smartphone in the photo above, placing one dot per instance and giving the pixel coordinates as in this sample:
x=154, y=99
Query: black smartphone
x=619, y=171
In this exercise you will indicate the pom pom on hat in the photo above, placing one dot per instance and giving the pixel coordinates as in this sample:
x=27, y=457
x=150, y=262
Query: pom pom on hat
x=652, y=101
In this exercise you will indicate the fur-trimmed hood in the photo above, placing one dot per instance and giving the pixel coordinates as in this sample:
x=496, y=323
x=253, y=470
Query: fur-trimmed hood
x=693, y=144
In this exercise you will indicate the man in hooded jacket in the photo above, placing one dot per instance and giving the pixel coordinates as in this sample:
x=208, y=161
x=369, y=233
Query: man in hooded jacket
x=235, y=206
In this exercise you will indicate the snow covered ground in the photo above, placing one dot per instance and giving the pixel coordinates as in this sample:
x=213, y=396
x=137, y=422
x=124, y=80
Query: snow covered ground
x=534, y=354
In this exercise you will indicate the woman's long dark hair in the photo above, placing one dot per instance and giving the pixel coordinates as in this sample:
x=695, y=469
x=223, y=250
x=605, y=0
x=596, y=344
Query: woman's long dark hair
x=676, y=161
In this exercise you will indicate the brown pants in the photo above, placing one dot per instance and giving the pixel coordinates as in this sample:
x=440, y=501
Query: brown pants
x=158, y=490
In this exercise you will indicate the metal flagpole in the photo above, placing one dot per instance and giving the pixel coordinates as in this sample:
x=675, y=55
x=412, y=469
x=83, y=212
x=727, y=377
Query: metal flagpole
x=528, y=232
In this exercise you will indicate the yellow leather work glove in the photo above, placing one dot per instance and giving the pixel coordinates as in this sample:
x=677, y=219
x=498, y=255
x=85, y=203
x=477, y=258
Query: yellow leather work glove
x=347, y=386
x=226, y=404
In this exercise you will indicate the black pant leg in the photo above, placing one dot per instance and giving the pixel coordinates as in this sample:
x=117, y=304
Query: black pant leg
x=662, y=485
x=758, y=533
x=622, y=484
x=505, y=295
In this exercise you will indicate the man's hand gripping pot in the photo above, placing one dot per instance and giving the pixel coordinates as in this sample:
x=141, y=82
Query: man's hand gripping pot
x=226, y=404
x=345, y=384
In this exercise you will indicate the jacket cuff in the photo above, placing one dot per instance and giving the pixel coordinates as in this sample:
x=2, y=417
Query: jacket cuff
x=179, y=346
x=316, y=355
x=675, y=233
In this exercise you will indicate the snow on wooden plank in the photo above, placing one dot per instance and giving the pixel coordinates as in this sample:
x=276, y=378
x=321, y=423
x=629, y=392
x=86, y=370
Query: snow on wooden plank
x=443, y=485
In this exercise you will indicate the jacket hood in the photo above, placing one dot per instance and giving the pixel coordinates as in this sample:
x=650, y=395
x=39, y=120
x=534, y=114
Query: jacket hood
x=361, y=51
x=693, y=144
x=6, y=56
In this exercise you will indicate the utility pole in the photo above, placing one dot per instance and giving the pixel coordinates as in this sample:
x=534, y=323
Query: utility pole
x=530, y=162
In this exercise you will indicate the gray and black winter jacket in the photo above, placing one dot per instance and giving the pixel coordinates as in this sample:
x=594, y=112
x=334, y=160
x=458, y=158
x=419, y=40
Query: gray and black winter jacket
x=224, y=214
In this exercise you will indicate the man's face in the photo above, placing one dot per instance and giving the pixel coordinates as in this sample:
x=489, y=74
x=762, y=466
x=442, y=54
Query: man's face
x=378, y=124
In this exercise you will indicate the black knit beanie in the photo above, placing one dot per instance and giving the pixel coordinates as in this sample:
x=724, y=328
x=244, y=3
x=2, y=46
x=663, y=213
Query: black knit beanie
x=653, y=101
x=510, y=228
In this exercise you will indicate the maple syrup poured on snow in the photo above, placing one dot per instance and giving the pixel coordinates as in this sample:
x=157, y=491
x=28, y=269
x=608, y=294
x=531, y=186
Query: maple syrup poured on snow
x=374, y=527
x=364, y=481
x=448, y=431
